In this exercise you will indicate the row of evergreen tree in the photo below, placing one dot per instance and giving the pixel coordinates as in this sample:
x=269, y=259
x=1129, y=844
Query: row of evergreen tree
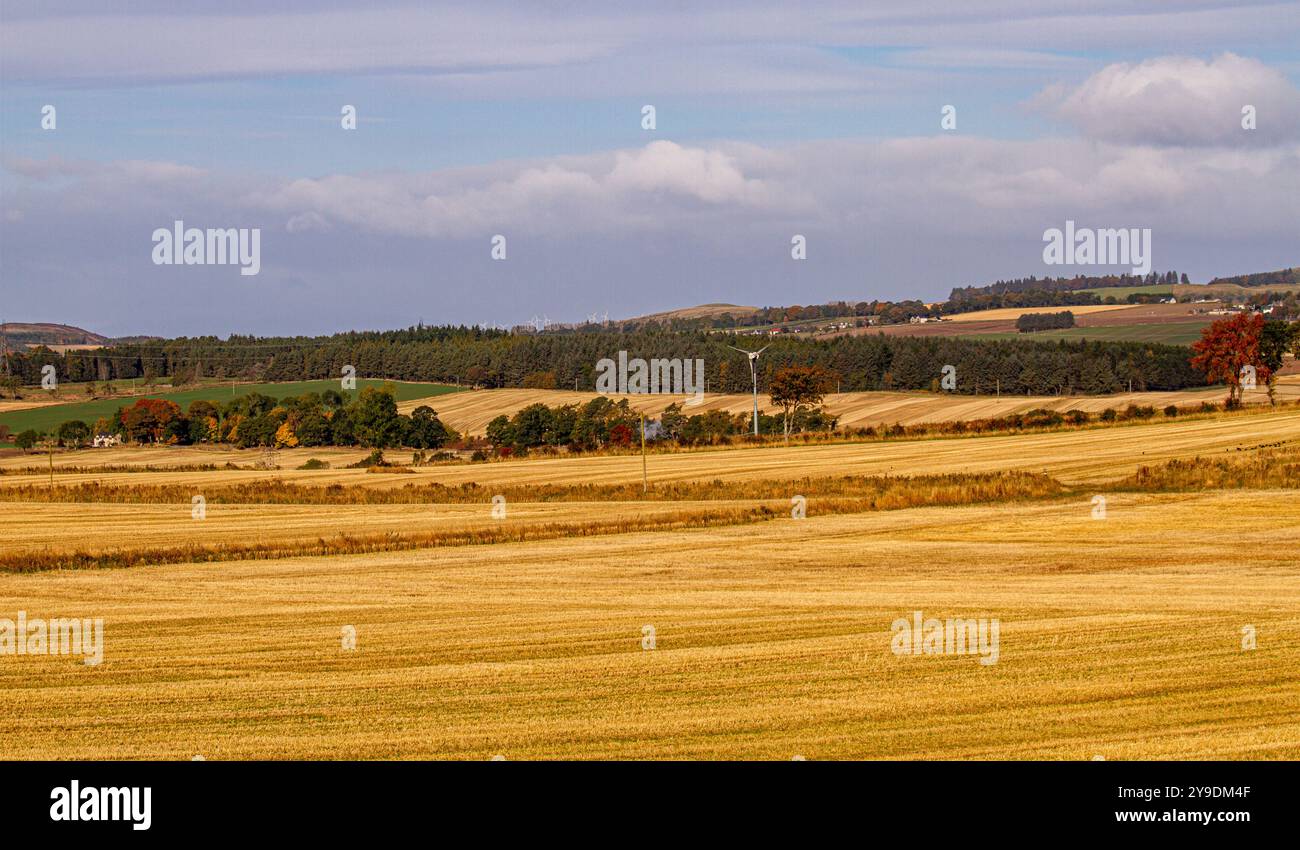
x=495, y=359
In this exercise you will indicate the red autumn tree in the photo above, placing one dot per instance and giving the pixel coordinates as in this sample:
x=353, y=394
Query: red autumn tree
x=620, y=435
x=1226, y=348
x=147, y=419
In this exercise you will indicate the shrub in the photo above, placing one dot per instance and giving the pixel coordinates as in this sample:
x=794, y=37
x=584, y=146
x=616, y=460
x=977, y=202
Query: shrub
x=1040, y=418
x=27, y=439
x=1109, y=415
x=375, y=458
x=478, y=456
x=1171, y=410
x=315, y=463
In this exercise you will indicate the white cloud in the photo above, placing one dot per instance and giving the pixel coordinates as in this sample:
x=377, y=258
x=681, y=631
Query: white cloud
x=1179, y=100
x=707, y=175
x=600, y=192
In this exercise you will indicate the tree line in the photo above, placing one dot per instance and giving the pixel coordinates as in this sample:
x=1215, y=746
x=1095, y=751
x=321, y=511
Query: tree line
x=1282, y=276
x=313, y=419
x=568, y=361
x=1065, y=284
x=1030, y=322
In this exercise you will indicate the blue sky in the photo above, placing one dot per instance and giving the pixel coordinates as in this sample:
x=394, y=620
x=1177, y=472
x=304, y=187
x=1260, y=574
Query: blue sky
x=484, y=118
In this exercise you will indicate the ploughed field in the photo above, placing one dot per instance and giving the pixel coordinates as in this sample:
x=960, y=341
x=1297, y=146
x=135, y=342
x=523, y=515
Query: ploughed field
x=523, y=633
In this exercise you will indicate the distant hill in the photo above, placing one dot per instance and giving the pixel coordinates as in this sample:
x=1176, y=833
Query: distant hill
x=19, y=335
x=1280, y=278
x=700, y=311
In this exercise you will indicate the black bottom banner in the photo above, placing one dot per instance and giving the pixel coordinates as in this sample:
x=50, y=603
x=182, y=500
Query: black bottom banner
x=330, y=799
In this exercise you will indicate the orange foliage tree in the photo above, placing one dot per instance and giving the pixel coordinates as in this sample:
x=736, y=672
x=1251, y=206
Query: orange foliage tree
x=146, y=421
x=1228, y=349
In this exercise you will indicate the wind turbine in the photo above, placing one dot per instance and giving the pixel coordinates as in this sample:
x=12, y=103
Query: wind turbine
x=753, y=374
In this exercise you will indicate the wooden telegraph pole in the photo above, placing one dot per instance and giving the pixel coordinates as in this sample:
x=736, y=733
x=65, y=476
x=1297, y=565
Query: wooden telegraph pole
x=645, y=480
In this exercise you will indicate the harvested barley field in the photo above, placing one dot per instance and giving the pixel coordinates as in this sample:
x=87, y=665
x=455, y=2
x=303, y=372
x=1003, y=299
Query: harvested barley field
x=1013, y=313
x=470, y=412
x=1119, y=638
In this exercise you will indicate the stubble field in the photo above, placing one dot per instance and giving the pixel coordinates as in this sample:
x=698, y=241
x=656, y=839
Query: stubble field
x=1121, y=636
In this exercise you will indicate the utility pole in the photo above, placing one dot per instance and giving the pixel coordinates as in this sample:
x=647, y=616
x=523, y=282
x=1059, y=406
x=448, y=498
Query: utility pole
x=4, y=349
x=645, y=480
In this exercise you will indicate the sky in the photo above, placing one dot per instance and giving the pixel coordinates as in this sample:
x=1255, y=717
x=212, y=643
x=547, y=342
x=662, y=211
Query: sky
x=526, y=121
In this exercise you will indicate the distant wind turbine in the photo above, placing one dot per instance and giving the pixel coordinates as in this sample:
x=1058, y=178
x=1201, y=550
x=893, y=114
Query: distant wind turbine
x=753, y=374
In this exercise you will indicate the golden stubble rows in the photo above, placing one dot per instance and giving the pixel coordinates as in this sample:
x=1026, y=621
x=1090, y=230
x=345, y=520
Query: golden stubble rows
x=97, y=527
x=470, y=412
x=1120, y=637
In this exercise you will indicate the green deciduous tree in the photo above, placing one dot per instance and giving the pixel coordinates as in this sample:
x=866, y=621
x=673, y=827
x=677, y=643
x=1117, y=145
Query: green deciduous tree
x=1275, y=340
x=74, y=433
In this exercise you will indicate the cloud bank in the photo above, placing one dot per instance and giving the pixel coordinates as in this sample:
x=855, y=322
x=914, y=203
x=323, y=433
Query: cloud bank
x=626, y=231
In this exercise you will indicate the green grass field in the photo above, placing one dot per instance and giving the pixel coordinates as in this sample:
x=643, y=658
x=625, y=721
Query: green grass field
x=1170, y=333
x=45, y=418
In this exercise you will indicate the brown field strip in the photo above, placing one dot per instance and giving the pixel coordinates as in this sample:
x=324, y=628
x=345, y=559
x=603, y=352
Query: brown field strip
x=1119, y=638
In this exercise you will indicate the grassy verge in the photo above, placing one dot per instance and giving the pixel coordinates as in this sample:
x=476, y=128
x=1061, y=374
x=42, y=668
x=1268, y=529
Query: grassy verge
x=894, y=491
x=1274, y=467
